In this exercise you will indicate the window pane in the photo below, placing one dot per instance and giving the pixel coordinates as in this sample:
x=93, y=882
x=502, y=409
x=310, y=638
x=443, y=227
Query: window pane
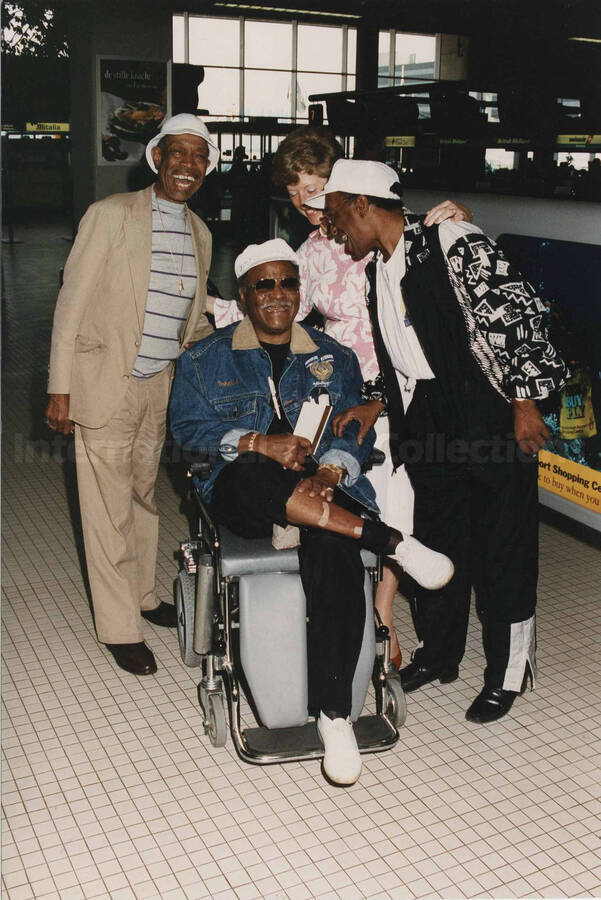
x=319, y=48
x=383, y=54
x=314, y=83
x=499, y=159
x=414, y=48
x=253, y=147
x=227, y=146
x=491, y=110
x=178, y=40
x=267, y=93
x=414, y=58
x=268, y=45
x=220, y=92
x=351, y=52
x=214, y=42
x=578, y=161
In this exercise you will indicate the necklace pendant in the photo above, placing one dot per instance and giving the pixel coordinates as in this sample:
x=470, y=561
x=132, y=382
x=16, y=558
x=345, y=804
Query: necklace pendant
x=180, y=287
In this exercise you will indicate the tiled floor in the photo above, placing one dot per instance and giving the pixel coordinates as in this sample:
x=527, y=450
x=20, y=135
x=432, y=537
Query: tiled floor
x=111, y=790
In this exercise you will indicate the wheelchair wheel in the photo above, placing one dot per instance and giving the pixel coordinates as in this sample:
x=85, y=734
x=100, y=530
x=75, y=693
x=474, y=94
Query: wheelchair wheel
x=185, y=605
x=216, y=724
x=395, y=701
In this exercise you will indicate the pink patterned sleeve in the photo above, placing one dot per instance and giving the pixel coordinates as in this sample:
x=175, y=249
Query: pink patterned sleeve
x=306, y=303
x=226, y=312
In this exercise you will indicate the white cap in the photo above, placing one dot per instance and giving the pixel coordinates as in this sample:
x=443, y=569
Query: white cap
x=184, y=123
x=269, y=251
x=358, y=176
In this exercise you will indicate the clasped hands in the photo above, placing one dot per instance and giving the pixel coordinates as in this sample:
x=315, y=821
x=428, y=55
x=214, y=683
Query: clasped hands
x=291, y=452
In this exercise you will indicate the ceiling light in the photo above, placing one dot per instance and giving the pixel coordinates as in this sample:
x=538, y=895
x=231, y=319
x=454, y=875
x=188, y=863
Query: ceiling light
x=586, y=40
x=282, y=9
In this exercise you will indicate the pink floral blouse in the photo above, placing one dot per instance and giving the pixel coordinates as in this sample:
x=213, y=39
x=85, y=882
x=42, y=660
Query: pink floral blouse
x=336, y=286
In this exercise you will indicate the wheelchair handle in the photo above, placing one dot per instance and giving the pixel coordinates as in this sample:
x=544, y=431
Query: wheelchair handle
x=375, y=458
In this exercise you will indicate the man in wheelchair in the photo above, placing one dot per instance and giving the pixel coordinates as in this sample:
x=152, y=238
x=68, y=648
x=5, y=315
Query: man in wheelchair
x=237, y=396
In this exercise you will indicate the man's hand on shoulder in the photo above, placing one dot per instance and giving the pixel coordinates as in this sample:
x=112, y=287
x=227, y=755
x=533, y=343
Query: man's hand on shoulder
x=57, y=413
x=448, y=209
x=530, y=430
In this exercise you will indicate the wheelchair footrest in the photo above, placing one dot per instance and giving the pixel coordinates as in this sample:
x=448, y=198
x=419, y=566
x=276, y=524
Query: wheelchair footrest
x=270, y=745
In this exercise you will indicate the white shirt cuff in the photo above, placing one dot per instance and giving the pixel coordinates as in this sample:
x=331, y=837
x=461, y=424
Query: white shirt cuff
x=229, y=443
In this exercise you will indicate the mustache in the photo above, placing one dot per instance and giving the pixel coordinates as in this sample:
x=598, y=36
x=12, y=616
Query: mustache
x=283, y=304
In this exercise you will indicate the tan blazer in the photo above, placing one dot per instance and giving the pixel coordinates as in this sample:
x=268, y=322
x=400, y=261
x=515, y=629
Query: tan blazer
x=100, y=309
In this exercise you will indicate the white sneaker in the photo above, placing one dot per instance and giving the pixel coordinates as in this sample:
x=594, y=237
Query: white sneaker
x=428, y=567
x=341, y=762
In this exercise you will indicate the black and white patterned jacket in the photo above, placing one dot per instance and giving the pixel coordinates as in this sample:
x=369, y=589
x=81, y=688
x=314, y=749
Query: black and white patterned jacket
x=503, y=315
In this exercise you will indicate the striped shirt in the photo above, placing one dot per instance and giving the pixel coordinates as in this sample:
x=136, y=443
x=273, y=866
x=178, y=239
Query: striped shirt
x=166, y=310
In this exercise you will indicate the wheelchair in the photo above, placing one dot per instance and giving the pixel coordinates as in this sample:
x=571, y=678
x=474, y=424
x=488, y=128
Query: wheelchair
x=241, y=614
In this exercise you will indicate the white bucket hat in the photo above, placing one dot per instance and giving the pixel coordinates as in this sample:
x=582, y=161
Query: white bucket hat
x=184, y=123
x=268, y=251
x=358, y=176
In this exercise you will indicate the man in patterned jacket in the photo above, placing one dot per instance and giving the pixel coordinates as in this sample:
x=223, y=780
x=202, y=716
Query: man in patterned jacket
x=455, y=324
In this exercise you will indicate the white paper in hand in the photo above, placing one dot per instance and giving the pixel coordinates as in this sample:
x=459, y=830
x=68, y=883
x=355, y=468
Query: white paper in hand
x=313, y=419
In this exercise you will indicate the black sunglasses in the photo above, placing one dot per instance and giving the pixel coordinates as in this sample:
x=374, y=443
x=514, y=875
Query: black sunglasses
x=289, y=283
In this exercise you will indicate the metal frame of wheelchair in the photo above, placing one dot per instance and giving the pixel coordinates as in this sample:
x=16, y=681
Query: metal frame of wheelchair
x=207, y=605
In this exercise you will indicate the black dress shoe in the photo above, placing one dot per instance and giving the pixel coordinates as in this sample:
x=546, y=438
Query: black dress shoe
x=164, y=614
x=415, y=676
x=493, y=703
x=490, y=704
x=135, y=658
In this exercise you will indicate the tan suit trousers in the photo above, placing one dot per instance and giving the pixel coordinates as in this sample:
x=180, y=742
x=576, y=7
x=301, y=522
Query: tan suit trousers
x=117, y=467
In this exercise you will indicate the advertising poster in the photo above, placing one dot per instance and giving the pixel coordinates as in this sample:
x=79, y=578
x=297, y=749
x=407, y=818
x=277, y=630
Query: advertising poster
x=132, y=104
x=570, y=465
x=567, y=277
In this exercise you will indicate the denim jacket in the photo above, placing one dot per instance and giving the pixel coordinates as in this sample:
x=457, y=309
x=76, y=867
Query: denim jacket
x=221, y=392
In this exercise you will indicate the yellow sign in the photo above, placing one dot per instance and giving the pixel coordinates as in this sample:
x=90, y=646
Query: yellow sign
x=579, y=140
x=571, y=480
x=400, y=140
x=46, y=127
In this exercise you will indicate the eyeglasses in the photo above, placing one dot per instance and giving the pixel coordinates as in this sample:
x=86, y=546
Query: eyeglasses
x=263, y=285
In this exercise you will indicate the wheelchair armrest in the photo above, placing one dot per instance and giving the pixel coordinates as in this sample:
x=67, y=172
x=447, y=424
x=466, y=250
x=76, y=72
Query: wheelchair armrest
x=200, y=468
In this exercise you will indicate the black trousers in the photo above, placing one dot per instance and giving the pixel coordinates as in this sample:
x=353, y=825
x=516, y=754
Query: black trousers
x=249, y=495
x=483, y=513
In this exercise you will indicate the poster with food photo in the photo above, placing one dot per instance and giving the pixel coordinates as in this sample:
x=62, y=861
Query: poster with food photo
x=132, y=104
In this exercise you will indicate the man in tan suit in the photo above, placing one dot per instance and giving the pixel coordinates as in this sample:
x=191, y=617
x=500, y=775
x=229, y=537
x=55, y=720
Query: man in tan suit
x=134, y=294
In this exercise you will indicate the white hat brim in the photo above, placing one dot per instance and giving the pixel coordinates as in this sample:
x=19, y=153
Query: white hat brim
x=268, y=259
x=317, y=201
x=213, y=149
x=274, y=250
